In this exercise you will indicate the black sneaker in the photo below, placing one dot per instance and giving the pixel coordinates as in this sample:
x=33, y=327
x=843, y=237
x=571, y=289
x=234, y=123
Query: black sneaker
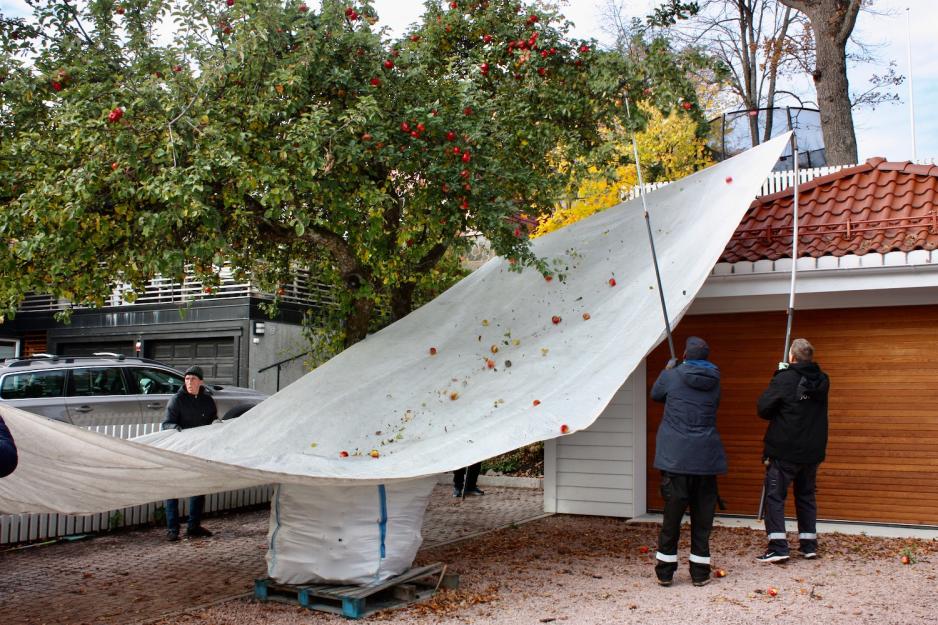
x=475, y=490
x=198, y=532
x=701, y=582
x=665, y=581
x=457, y=492
x=172, y=535
x=772, y=556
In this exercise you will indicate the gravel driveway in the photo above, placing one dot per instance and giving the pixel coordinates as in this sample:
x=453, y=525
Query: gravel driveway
x=586, y=570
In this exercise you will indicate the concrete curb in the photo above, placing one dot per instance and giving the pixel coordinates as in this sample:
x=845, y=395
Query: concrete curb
x=505, y=481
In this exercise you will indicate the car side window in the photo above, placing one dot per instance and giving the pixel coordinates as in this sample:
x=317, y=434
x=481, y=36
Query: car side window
x=33, y=384
x=154, y=381
x=96, y=381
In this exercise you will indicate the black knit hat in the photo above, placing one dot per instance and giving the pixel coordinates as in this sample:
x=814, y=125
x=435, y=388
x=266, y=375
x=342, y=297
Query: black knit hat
x=696, y=348
x=195, y=370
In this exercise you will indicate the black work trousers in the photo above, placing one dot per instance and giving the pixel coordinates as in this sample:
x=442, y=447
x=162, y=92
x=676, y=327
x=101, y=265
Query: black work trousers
x=778, y=476
x=468, y=476
x=699, y=493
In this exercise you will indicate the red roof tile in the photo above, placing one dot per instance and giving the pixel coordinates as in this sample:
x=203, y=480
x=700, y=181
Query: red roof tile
x=879, y=206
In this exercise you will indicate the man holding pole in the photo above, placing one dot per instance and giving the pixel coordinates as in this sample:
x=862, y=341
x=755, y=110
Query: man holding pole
x=795, y=405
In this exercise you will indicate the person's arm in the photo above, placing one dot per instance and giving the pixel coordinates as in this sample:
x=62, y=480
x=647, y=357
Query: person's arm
x=8, y=456
x=172, y=415
x=770, y=400
x=659, y=392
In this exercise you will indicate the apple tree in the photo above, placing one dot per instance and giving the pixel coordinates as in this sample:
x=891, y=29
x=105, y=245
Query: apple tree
x=143, y=137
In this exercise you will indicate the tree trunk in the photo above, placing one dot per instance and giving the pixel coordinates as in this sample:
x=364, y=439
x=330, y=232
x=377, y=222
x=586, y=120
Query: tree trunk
x=358, y=320
x=833, y=95
x=402, y=300
x=833, y=21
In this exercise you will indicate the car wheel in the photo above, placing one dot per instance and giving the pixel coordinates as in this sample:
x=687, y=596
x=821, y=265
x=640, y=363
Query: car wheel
x=236, y=412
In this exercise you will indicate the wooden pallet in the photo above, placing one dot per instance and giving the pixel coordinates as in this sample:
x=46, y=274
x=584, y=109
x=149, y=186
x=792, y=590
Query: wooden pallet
x=357, y=602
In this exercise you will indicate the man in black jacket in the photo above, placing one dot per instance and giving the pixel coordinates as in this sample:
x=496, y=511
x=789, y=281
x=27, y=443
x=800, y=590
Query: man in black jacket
x=191, y=407
x=8, y=455
x=795, y=404
x=689, y=454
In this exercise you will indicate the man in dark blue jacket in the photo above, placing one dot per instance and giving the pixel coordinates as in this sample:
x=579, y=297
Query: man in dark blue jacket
x=795, y=404
x=689, y=454
x=8, y=456
x=191, y=407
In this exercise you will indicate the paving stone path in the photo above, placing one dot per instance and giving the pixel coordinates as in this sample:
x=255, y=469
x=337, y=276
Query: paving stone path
x=136, y=576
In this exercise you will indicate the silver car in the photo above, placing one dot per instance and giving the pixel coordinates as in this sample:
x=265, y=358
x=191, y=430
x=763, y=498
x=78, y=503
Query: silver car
x=106, y=389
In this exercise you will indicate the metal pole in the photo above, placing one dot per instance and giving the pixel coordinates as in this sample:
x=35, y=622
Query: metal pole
x=908, y=21
x=651, y=239
x=794, y=273
x=794, y=242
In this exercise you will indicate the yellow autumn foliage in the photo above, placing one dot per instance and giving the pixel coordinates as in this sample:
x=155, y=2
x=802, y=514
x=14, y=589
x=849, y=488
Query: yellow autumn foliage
x=668, y=149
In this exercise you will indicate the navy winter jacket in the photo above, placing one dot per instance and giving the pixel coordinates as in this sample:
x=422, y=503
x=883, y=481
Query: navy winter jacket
x=688, y=441
x=795, y=404
x=8, y=456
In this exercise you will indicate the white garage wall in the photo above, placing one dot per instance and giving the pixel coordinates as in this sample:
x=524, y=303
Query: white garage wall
x=601, y=470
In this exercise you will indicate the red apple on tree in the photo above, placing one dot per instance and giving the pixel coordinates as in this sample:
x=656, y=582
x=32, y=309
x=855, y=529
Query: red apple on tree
x=389, y=64
x=484, y=68
x=487, y=38
x=686, y=105
x=230, y=2
x=303, y=8
x=375, y=81
x=115, y=114
x=450, y=136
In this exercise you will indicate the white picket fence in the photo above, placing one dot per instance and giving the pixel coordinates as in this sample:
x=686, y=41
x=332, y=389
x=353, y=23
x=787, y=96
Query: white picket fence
x=29, y=528
x=777, y=181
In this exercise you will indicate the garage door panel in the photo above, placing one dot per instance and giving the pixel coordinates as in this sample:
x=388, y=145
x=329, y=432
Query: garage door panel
x=214, y=355
x=883, y=446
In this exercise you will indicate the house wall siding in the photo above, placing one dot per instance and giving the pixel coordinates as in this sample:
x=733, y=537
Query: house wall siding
x=594, y=471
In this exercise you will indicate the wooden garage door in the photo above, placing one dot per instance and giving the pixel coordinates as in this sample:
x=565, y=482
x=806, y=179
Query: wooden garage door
x=882, y=454
x=216, y=356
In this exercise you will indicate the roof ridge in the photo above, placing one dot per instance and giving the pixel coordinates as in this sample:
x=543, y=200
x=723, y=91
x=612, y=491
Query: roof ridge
x=874, y=163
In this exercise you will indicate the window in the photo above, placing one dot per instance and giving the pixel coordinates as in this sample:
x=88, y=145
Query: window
x=8, y=348
x=147, y=381
x=96, y=381
x=33, y=384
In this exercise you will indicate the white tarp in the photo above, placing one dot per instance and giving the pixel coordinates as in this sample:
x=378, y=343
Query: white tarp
x=423, y=413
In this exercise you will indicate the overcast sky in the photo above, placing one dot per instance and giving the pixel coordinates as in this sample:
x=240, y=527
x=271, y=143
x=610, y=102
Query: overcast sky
x=883, y=132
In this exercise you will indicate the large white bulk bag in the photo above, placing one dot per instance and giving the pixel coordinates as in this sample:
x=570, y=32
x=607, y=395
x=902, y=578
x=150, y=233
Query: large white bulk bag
x=345, y=534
